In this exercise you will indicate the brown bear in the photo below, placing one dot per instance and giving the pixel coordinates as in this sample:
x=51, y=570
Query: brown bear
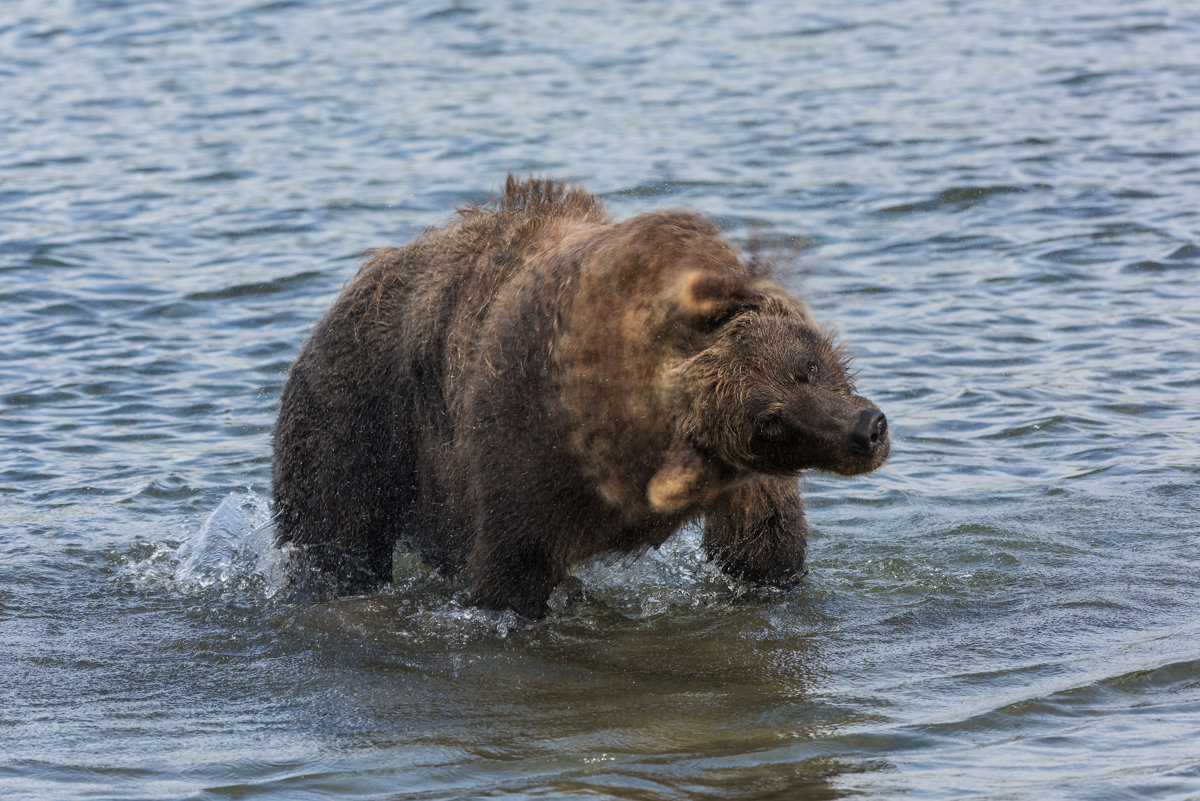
x=534, y=384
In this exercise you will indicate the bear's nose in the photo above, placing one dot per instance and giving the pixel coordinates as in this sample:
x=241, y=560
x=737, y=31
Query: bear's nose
x=868, y=431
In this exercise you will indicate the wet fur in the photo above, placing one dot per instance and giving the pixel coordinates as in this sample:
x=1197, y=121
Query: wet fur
x=534, y=384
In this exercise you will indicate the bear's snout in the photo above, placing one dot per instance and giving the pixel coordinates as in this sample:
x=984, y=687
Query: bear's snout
x=868, y=432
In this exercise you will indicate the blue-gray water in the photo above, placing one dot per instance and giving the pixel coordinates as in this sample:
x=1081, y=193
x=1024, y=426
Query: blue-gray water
x=999, y=204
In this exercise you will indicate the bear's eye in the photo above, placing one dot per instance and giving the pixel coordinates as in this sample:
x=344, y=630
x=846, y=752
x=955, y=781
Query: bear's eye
x=806, y=374
x=770, y=428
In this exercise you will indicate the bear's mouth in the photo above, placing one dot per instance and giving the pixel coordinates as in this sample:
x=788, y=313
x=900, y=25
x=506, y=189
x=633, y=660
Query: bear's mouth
x=782, y=444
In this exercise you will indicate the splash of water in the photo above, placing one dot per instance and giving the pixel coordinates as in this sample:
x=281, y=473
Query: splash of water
x=233, y=551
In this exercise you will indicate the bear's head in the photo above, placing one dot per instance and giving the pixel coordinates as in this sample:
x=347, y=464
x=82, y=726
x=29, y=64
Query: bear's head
x=768, y=391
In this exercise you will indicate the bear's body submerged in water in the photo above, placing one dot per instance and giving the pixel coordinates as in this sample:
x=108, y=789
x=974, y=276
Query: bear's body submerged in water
x=534, y=384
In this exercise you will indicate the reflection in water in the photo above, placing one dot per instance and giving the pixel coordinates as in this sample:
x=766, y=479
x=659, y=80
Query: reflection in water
x=660, y=671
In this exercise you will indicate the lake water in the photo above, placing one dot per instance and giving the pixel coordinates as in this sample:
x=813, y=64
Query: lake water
x=997, y=203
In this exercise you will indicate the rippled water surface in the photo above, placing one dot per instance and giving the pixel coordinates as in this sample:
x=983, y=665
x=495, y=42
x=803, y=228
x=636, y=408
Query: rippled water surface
x=997, y=203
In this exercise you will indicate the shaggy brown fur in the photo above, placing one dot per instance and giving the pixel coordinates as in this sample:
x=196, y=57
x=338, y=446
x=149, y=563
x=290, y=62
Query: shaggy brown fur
x=534, y=384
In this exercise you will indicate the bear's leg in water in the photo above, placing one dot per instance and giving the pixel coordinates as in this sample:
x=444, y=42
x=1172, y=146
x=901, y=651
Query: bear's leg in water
x=757, y=532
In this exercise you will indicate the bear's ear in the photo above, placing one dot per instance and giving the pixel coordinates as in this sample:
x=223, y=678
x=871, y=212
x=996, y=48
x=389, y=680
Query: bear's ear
x=710, y=297
x=682, y=481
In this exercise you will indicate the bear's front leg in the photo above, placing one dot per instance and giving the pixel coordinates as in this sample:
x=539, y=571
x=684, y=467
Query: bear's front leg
x=517, y=528
x=513, y=574
x=757, y=532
